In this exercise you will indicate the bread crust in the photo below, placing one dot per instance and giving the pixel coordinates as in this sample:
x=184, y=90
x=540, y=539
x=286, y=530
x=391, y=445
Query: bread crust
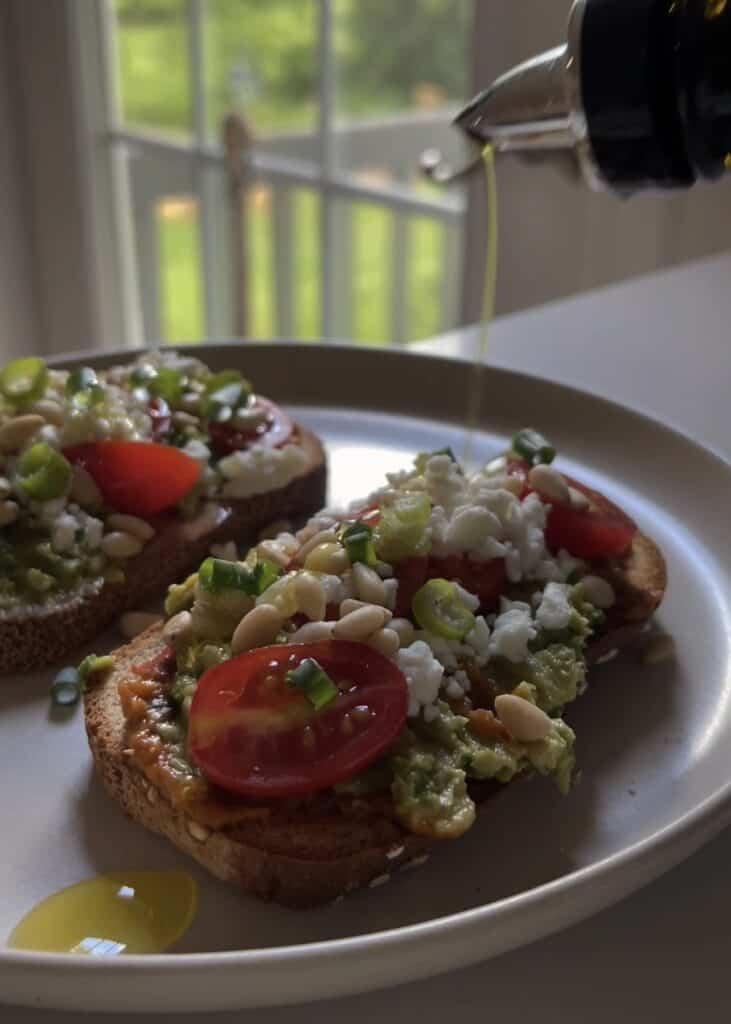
x=32, y=639
x=313, y=852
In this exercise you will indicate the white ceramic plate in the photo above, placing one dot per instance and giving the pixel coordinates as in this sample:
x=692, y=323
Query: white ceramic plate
x=653, y=742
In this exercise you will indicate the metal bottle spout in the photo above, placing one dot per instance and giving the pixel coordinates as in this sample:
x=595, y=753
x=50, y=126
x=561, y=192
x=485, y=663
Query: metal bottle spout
x=529, y=107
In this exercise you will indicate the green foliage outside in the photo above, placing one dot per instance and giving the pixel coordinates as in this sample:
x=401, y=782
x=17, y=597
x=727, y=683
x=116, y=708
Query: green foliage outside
x=261, y=56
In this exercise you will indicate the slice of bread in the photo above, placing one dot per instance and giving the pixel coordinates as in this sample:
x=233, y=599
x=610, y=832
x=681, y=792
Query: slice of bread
x=42, y=634
x=313, y=851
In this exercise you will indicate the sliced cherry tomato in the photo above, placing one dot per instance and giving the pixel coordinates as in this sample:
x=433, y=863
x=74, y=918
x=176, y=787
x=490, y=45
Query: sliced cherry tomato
x=411, y=574
x=274, y=432
x=159, y=412
x=598, y=532
x=252, y=733
x=484, y=579
x=595, y=533
x=137, y=477
x=370, y=515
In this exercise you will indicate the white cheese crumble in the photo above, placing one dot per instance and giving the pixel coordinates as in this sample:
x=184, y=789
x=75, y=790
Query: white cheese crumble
x=554, y=611
x=513, y=631
x=423, y=675
x=260, y=469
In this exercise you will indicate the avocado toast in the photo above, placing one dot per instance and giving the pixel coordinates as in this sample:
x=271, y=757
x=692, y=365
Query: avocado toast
x=115, y=484
x=325, y=712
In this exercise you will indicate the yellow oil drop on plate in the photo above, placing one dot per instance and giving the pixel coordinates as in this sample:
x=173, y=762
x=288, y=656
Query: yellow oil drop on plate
x=123, y=912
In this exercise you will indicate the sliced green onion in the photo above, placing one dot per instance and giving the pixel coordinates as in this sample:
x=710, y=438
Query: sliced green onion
x=533, y=447
x=438, y=609
x=167, y=384
x=24, y=380
x=217, y=575
x=224, y=392
x=66, y=688
x=95, y=664
x=402, y=529
x=357, y=539
x=84, y=388
x=43, y=472
x=315, y=683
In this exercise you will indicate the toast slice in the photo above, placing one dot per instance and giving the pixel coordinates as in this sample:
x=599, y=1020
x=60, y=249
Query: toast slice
x=312, y=851
x=42, y=634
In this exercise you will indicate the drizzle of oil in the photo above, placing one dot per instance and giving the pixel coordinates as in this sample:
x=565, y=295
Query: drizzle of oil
x=122, y=912
x=474, y=399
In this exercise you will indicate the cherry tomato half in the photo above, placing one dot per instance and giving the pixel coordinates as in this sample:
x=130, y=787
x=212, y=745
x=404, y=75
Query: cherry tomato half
x=598, y=532
x=484, y=579
x=251, y=733
x=137, y=477
x=595, y=533
x=274, y=432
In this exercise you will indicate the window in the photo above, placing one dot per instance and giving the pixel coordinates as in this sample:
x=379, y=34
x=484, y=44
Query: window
x=333, y=232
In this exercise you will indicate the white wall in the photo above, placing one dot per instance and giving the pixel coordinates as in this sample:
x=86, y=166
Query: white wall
x=18, y=326
x=557, y=237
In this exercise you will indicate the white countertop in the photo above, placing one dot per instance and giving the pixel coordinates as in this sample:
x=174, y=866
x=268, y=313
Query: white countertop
x=663, y=345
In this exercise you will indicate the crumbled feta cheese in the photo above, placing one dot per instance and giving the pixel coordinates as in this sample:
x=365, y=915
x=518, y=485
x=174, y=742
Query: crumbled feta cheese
x=513, y=631
x=197, y=450
x=63, y=532
x=334, y=587
x=478, y=641
x=455, y=686
x=423, y=675
x=554, y=611
x=259, y=469
x=471, y=600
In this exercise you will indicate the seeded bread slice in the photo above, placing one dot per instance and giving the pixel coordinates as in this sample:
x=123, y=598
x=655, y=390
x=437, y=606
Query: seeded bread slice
x=43, y=634
x=310, y=852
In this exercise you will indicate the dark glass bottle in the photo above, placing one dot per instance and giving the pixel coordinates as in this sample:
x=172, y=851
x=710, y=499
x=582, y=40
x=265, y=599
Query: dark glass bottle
x=641, y=91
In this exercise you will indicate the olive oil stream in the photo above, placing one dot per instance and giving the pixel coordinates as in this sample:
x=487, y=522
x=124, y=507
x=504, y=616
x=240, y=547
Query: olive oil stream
x=474, y=398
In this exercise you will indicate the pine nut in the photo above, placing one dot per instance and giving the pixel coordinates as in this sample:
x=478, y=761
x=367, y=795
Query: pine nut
x=659, y=649
x=524, y=721
x=359, y=624
x=9, y=512
x=84, y=489
x=184, y=419
x=257, y=628
x=350, y=605
x=577, y=499
x=179, y=629
x=199, y=832
x=368, y=584
x=404, y=630
x=274, y=552
x=120, y=545
x=321, y=537
x=550, y=483
x=598, y=591
x=131, y=524
x=16, y=432
x=131, y=624
x=51, y=411
x=310, y=595
x=190, y=402
x=4, y=487
x=385, y=641
x=328, y=558
x=513, y=484
x=312, y=633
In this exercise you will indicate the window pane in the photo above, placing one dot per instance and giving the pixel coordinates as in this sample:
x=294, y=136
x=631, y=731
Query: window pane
x=306, y=271
x=426, y=246
x=153, y=68
x=261, y=60
x=258, y=228
x=372, y=231
x=181, y=296
x=401, y=72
